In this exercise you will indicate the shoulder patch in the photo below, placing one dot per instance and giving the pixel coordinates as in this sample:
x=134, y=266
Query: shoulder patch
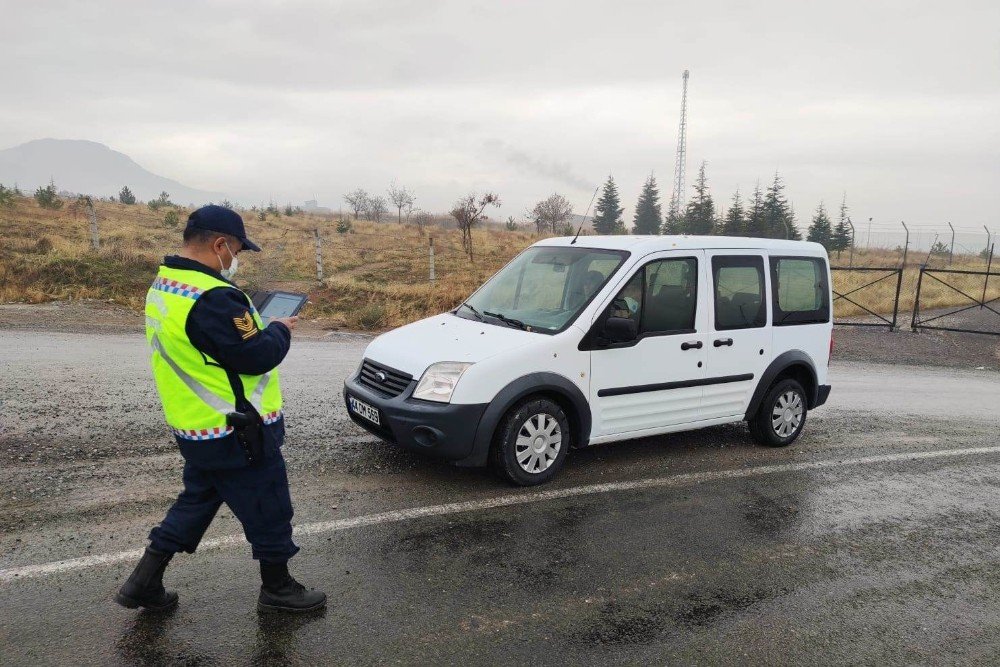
x=245, y=325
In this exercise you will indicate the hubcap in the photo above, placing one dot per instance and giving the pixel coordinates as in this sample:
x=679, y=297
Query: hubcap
x=538, y=443
x=787, y=414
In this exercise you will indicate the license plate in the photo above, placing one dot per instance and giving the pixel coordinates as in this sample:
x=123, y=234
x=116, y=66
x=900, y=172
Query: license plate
x=362, y=409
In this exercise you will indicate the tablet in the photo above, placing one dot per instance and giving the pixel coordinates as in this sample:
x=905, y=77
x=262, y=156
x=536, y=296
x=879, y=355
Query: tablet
x=282, y=304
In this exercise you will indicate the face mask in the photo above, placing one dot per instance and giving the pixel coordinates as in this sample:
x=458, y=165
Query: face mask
x=229, y=273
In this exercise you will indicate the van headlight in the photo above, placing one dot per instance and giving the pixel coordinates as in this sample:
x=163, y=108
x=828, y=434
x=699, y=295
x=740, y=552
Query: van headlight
x=439, y=380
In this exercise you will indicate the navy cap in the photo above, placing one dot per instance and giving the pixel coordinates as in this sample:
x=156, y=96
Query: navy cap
x=220, y=219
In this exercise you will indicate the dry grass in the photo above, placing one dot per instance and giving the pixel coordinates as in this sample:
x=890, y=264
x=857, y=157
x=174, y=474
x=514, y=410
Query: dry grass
x=375, y=277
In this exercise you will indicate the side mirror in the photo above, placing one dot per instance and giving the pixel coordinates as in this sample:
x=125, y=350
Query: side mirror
x=620, y=329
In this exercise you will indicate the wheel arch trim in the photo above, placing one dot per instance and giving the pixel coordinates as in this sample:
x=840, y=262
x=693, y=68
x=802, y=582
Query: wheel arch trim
x=791, y=360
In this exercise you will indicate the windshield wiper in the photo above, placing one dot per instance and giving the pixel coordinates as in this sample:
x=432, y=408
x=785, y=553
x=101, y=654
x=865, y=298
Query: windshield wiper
x=507, y=320
x=476, y=312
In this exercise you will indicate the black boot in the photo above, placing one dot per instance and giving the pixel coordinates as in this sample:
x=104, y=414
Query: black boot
x=144, y=587
x=280, y=592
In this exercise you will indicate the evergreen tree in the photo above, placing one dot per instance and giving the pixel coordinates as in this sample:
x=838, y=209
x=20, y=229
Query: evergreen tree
x=648, y=215
x=796, y=234
x=841, y=239
x=699, y=217
x=777, y=216
x=674, y=223
x=126, y=196
x=734, y=223
x=608, y=213
x=821, y=231
x=756, y=224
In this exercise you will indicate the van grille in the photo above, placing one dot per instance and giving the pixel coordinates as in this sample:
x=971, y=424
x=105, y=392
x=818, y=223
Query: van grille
x=394, y=383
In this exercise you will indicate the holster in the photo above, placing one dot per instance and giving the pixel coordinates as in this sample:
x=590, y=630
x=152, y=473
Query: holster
x=249, y=429
x=246, y=422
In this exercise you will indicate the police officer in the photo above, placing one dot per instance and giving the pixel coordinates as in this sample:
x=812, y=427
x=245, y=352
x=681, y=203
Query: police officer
x=215, y=367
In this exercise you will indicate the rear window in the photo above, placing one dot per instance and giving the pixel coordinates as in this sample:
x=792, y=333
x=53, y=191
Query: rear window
x=801, y=294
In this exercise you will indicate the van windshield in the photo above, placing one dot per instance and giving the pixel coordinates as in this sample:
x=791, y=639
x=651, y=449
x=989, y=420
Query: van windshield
x=544, y=288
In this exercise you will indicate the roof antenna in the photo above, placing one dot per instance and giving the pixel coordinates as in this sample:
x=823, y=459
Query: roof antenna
x=585, y=216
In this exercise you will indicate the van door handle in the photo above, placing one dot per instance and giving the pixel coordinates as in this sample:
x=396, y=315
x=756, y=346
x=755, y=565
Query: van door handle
x=719, y=342
x=688, y=346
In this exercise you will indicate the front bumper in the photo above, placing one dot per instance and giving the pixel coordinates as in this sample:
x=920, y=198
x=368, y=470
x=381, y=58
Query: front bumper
x=445, y=430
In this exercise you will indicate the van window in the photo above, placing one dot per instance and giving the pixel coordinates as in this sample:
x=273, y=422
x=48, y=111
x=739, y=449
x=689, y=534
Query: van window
x=739, y=292
x=671, y=295
x=661, y=297
x=800, y=289
x=544, y=288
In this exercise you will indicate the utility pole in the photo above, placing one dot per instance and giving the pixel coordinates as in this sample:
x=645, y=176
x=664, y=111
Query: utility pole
x=988, y=237
x=680, y=161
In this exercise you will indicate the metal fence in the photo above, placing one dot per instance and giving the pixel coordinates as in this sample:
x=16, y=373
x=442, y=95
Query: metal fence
x=979, y=314
x=866, y=296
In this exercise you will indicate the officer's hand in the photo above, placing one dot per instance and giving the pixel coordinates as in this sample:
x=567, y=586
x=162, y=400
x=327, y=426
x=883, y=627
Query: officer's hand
x=287, y=321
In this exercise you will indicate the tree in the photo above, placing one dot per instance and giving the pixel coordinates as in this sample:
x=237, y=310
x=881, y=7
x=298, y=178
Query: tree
x=699, y=216
x=47, y=197
x=734, y=223
x=550, y=213
x=171, y=219
x=648, y=218
x=939, y=248
x=777, y=211
x=160, y=202
x=377, y=208
x=841, y=239
x=608, y=213
x=357, y=200
x=401, y=198
x=422, y=219
x=6, y=197
x=820, y=231
x=468, y=211
x=674, y=223
x=126, y=196
x=344, y=226
x=511, y=224
x=756, y=225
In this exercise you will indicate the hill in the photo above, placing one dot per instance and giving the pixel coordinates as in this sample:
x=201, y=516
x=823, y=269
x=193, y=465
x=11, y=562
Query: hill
x=88, y=167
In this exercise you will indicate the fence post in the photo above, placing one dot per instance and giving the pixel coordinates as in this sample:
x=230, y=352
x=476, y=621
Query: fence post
x=916, y=299
x=895, y=305
x=906, y=248
x=319, y=256
x=989, y=264
x=95, y=240
x=431, y=258
x=951, y=251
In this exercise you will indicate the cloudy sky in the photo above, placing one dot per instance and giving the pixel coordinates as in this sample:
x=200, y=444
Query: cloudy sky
x=895, y=103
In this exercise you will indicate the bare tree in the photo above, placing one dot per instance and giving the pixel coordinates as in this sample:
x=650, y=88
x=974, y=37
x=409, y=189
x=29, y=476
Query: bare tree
x=468, y=211
x=358, y=201
x=422, y=219
x=550, y=213
x=377, y=207
x=401, y=198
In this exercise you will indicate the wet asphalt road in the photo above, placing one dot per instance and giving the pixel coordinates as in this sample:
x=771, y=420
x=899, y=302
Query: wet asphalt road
x=892, y=560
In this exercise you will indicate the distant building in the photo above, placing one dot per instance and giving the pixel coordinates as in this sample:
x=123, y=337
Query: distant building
x=312, y=206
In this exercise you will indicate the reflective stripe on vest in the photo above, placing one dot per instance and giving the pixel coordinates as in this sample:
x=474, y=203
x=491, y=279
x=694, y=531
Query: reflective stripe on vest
x=195, y=391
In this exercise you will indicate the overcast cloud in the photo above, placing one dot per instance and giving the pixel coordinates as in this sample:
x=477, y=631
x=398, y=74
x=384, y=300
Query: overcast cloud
x=896, y=103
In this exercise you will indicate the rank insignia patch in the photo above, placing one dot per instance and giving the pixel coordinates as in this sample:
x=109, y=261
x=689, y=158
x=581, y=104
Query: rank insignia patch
x=245, y=325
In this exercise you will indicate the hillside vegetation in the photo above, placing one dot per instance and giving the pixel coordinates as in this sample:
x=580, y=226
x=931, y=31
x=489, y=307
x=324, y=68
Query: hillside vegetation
x=375, y=276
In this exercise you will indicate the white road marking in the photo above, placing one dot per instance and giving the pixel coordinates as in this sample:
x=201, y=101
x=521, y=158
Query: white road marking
x=395, y=516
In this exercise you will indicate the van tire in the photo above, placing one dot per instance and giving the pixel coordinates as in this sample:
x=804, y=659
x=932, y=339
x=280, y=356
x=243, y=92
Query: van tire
x=790, y=394
x=541, y=416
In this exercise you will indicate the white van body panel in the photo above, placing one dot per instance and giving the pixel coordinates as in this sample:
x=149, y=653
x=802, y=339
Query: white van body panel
x=414, y=347
x=557, y=354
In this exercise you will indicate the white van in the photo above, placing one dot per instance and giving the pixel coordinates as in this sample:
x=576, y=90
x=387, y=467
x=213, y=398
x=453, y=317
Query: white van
x=606, y=338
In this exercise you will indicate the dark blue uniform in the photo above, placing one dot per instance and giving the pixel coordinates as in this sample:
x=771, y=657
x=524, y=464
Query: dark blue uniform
x=216, y=471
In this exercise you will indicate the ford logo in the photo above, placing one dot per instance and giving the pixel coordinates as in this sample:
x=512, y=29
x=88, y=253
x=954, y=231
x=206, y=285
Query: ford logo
x=381, y=376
